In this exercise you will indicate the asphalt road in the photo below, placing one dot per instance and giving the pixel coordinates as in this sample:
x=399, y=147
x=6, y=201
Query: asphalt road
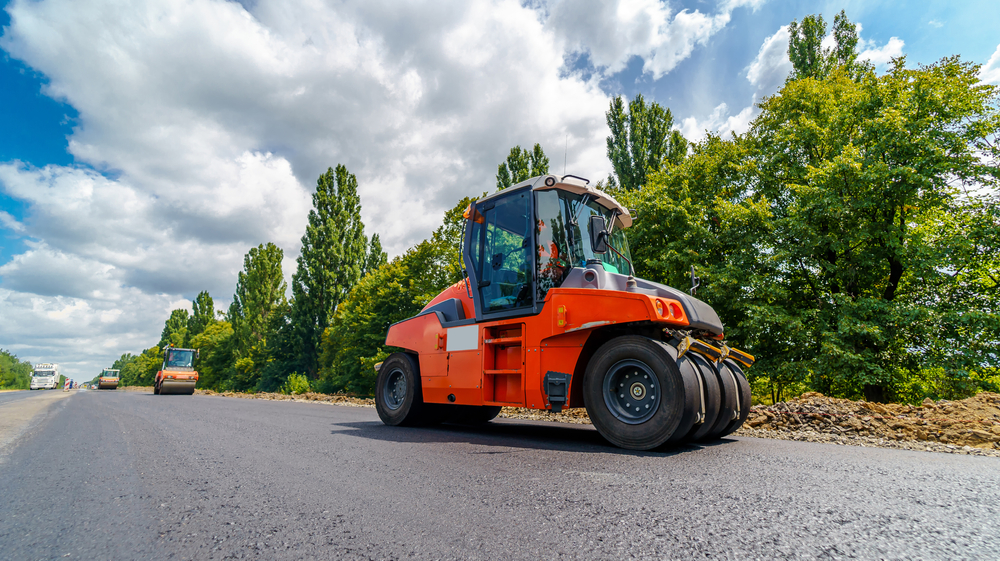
x=122, y=475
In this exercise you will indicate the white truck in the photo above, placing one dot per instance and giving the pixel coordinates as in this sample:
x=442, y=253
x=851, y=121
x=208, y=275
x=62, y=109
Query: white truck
x=45, y=377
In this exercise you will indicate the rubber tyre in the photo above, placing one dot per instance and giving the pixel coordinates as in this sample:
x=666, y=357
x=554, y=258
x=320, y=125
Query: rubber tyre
x=472, y=414
x=156, y=389
x=670, y=408
x=410, y=410
x=713, y=396
x=743, y=394
x=728, y=404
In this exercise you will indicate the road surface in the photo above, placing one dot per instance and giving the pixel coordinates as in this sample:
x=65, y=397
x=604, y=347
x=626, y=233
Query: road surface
x=128, y=475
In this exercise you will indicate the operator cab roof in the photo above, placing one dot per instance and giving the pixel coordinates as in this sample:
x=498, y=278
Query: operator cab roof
x=573, y=184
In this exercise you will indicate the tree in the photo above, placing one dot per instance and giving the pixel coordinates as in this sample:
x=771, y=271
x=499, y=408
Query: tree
x=845, y=238
x=216, y=346
x=809, y=58
x=334, y=253
x=201, y=317
x=394, y=292
x=640, y=141
x=375, y=257
x=522, y=165
x=260, y=293
x=174, y=329
x=15, y=374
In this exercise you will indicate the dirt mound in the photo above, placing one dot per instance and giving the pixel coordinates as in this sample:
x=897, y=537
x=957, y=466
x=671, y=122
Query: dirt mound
x=973, y=422
x=307, y=397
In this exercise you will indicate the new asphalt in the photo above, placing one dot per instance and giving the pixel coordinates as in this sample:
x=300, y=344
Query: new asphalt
x=130, y=475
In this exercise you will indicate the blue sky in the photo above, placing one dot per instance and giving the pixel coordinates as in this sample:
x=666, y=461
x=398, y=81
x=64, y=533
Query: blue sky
x=146, y=146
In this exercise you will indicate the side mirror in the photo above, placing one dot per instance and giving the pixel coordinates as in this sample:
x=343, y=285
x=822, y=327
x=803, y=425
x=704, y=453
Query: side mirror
x=598, y=234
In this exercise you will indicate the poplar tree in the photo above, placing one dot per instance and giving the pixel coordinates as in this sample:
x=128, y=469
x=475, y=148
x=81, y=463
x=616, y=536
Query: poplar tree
x=260, y=292
x=640, y=141
x=174, y=329
x=334, y=255
x=808, y=57
x=522, y=165
x=375, y=257
x=203, y=314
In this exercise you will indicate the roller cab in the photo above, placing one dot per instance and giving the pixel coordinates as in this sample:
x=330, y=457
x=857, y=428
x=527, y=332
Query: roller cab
x=108, y=379
x=177, y=375
x=551, y=316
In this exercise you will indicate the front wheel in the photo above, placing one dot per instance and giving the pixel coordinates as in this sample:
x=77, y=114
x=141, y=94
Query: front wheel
x=635, y=394
x=398, y=398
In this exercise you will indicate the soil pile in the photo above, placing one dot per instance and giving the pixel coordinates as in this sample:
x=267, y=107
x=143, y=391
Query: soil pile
x=306, y=397
x=969, y=423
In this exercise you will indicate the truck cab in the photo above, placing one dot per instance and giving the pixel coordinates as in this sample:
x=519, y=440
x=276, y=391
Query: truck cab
x=44, y=377
x=177, y=375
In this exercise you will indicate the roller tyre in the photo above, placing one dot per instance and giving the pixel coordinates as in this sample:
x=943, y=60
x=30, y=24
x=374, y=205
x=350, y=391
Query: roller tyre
x=743, y=394
x=712, y=393
x=634, y=392
x=728, y=404
x=398, y=397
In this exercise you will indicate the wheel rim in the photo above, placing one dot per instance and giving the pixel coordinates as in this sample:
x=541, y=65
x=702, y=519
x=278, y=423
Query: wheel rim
x=394, y=391
x=631, y=391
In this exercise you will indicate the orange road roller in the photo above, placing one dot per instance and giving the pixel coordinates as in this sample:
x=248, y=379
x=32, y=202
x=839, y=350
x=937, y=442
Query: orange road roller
x=177, y=375
x=108, y=379
x=550, y=316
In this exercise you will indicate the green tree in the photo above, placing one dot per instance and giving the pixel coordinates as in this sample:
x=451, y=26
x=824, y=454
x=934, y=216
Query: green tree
x=333, y=256
x=174, y=329
x=15, y=374
x=203, y=314
x=260, y=294
x=215, y=363
x=140, y=370
x=809, y=58
x=394, y=292
x=375, y=257
x=522, y=165
x=640, y=141
x=843, y=237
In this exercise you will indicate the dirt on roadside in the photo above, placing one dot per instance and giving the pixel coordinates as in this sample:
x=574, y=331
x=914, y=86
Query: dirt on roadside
x=973, y=422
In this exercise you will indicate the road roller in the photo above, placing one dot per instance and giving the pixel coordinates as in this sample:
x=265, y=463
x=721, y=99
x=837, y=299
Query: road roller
x=108, y=379
x=177, y=375
x=549, y=315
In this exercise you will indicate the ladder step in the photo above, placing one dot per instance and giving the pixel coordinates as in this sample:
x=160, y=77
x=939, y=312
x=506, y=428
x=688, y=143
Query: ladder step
x=501, y=372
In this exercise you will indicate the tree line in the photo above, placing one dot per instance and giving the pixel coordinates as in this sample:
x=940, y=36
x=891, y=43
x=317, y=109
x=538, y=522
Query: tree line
x=849, y=239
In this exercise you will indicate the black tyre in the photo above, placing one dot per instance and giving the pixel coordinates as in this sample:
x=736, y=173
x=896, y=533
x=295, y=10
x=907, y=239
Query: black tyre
x=472, y=414
x=634, y=392
x=728, y=404
x=156, y=389
x=398, y=398
x=742, y=394
x=712, y=393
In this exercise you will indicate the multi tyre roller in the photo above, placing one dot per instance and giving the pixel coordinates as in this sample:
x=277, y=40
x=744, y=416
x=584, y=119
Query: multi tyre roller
x=550, y=316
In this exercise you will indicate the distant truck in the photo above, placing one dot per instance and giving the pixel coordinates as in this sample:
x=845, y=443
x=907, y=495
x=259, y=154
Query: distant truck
x=177, y=374
x=108, y=380
x=45, y=377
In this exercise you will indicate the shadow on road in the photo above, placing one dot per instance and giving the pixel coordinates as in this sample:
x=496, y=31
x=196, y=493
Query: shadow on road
x=530, y=436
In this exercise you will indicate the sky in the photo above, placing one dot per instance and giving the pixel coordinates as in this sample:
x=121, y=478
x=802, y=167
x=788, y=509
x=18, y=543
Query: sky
x=146, y=146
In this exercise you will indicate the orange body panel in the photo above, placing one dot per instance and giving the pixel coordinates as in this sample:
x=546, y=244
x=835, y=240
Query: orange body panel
x=177, y=375
x=510, y=357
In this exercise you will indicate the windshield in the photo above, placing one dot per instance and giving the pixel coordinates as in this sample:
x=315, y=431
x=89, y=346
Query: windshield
x=110, y=374
x=563, y=234
x=45, y=373
x=176, y=358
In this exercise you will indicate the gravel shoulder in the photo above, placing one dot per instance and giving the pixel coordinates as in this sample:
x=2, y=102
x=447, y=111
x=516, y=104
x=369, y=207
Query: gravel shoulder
x=970, y=426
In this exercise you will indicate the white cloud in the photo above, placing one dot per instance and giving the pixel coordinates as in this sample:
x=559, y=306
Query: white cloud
x=771, y=66
x=720, y=122
x=212, y=123
x=935, y=23
x=612, y=33
x=990, y=72
x=881, y=56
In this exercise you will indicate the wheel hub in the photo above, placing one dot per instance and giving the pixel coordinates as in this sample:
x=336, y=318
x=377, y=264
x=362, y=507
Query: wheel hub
x=395, y=389
x=631, y=391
